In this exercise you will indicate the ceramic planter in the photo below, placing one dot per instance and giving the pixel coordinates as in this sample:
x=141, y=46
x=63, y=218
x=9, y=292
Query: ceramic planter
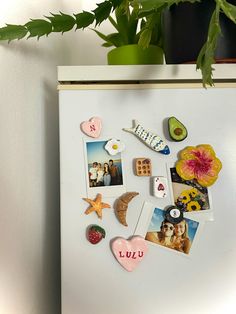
x=134, y=54
x=185, y=32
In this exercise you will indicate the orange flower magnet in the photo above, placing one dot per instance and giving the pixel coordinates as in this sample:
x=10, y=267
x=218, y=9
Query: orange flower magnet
x=199, y=163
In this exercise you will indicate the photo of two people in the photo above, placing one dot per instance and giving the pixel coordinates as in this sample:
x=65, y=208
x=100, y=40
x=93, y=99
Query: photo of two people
x=178, y=236
x=103, y=170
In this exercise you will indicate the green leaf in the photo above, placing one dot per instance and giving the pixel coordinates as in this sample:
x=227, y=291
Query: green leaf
x=122, y=23
x=107, y=45
x=38, y=28
x=11, y=32
x=145, y=38
x=84, y=19
x=116, y=3
x=99, y=229
x=206, y=56
x=150, y=6
x=102, y=11
x=228, y=9
x=132, y=26
x=157, y=33
x=113, y=22
x=113, y=39
x=61, y=22
x=153, y=25
x=101, y=35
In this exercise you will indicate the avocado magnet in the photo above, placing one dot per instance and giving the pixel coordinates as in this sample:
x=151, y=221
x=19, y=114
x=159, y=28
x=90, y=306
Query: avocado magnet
x=177, y=130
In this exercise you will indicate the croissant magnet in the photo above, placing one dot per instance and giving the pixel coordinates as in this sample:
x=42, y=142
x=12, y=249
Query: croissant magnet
x=121, y=206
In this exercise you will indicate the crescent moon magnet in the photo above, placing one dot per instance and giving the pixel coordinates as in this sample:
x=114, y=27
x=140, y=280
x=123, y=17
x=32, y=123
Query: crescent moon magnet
x=122, y=204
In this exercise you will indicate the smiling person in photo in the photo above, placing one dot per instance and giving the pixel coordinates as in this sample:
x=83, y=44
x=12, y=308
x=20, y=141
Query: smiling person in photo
x=107, y=175
x=163, y=237
x=179, y=237
x=104, y=175
x=114, y=171
x=181, y=240
x=100, y=173
x=93, y=174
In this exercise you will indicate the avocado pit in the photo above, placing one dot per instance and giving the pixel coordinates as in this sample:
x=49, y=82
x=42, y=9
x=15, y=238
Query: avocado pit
x=178, y=131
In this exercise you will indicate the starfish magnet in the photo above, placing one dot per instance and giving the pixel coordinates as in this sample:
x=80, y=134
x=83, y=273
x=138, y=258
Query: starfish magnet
x=96, y=205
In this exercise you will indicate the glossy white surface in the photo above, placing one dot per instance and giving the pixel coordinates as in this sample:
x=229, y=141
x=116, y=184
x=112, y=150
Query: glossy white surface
x=166, y=283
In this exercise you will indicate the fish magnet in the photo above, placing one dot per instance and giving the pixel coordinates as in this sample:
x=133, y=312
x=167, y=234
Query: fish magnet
x=129, y=253
x=150, y=139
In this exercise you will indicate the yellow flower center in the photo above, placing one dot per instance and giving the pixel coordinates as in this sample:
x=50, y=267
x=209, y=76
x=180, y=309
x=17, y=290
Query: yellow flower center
x=115, y=146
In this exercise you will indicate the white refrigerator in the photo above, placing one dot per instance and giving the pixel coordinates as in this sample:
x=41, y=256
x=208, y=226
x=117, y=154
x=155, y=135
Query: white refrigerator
x=165, y=281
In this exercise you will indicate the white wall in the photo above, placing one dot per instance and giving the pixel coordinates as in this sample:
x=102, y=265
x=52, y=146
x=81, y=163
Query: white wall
x=29, y=159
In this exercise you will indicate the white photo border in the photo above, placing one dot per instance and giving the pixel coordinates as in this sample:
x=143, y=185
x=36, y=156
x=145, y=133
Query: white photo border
x=207, y=214
x=145, y=220
x=106, y=191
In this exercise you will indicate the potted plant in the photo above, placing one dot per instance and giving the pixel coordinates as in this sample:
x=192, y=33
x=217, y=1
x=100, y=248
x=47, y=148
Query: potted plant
x=203, y=33
x=217, y=12
x=188, y=23
x=137, y=37
x=135, y=22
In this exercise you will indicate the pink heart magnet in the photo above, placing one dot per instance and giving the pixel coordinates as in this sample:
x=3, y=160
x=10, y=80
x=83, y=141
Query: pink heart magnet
x=129, y=252
x=92, y=127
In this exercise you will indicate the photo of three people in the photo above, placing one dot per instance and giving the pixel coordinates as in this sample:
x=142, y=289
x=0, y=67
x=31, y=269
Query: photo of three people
x=178, y=236
x=103, y=170
x=104, y=174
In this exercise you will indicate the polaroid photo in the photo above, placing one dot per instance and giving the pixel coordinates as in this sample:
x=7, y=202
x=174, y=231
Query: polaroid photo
x=190, y=196
x=178, y=238
x=104, y=173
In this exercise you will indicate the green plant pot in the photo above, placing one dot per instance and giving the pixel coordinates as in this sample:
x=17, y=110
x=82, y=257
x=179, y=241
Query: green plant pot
x=134, y=54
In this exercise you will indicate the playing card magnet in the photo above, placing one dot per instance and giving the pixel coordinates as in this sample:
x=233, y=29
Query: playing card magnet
x=159, y=187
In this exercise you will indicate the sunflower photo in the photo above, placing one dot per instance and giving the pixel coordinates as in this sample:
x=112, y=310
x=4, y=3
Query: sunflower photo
x=189, y=195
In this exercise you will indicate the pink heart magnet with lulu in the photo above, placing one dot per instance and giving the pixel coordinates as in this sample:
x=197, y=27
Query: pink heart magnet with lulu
x=92, y=127
x=129, y=253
